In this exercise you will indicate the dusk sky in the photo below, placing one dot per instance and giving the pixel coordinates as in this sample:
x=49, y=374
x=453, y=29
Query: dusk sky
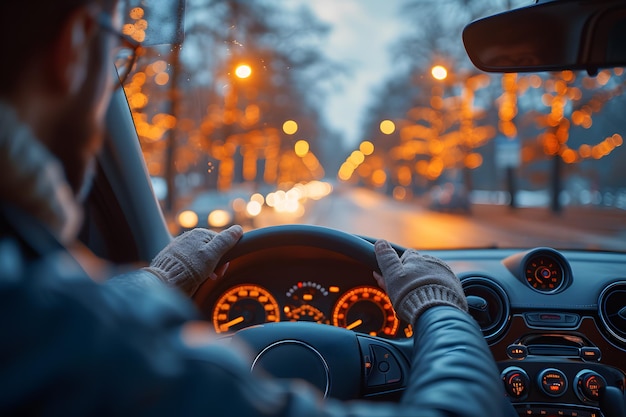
x=362, y=31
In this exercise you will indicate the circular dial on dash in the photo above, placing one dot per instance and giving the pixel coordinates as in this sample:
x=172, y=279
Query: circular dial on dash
x=306, y=297
x=366, y=310
x=544, y=273
x=243, y=306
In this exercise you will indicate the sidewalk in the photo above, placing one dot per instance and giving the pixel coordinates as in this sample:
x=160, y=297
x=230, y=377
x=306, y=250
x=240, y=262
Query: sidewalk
x=597, y=219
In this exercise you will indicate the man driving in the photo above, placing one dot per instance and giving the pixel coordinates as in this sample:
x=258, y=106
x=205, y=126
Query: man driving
x=72, y=346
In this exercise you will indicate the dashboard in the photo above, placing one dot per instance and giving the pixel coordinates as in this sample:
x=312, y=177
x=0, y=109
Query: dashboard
x=555, y=320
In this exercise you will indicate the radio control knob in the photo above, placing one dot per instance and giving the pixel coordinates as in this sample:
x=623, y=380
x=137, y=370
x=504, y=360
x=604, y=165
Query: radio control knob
x=552, y=382
x=516, y=382
x=588, y=385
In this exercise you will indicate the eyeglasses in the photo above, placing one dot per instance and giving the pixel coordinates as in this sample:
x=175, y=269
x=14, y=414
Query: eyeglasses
x=127, y=51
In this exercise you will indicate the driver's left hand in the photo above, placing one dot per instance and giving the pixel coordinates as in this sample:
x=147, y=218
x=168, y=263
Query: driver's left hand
x=192, y=257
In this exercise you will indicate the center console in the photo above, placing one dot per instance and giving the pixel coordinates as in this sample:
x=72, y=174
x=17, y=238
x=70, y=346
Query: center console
x=560, y=380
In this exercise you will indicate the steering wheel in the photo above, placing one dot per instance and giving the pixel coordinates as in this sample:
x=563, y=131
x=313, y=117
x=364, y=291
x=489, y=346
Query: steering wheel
x=341, y=363
x=347, y=244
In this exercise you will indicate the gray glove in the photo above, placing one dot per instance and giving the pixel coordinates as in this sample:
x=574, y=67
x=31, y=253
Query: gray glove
x=417, y=282
x=191, y=258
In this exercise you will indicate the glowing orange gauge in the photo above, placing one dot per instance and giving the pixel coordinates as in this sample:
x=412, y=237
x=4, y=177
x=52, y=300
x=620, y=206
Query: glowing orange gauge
x=243, y=306
x=305, y=313
x=366, y=310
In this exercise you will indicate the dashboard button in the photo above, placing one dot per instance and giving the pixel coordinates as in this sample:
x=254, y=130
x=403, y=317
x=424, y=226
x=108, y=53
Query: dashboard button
x=550, y=320
x=588, y=385
x=552, y=382
x=517, y=351
x=516, y=382
x=590, y=354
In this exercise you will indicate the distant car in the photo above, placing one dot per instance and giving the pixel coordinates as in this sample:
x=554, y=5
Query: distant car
x=449, y=197
x=214, y=209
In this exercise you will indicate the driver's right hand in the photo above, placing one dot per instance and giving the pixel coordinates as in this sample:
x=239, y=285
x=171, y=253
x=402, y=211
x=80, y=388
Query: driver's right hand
x=416, y=282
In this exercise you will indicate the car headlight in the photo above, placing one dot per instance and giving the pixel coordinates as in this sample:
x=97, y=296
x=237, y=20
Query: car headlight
x=253, y=208
x=188, y=219
x=219, y=218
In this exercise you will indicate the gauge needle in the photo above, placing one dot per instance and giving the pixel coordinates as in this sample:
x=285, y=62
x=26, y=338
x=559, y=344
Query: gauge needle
x=231, y=323
x=354, y=324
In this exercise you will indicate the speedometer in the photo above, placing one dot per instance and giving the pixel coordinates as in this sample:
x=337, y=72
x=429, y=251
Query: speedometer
x=366, y=310
x=243, y=306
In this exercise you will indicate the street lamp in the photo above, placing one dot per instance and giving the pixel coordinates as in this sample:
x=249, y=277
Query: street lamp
x=439, y=72
x=290, y=127
x=387, y=127
x=243, y=71
x=301, y=148
x=232, y=169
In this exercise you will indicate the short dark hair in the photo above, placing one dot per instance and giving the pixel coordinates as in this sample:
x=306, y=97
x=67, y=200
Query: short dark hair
x=26, y=30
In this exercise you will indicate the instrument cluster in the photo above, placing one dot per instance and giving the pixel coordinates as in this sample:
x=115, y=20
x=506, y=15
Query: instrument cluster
x=362, y=308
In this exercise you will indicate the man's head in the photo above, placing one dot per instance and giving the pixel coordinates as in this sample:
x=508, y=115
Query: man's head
x=58, y=74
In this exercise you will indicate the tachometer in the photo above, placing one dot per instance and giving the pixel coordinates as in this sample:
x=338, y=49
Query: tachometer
x=243, y=306
x=366, y=310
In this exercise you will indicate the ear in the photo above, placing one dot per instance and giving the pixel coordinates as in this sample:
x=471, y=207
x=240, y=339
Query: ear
x=70, y=51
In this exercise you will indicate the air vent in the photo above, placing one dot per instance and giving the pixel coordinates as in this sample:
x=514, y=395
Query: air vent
x=488, y=304
x=612, y=309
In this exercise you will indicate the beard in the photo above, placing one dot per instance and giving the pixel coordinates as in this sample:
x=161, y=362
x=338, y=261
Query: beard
x=79, y=131
x=77, y=141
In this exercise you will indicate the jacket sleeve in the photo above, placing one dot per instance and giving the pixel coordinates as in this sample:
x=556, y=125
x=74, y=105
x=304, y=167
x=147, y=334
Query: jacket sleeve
x=74, y=347
x=452, y=369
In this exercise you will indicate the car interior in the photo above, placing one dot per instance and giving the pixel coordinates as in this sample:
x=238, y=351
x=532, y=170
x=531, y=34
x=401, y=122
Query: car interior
x=555, y=320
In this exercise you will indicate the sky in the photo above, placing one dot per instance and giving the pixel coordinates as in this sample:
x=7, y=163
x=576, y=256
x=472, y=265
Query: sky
x=360, y=36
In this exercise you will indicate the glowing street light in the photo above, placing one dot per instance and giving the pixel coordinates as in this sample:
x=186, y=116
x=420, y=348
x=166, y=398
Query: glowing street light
x=387, y=127
x=439, y=72
x=290, y=127
x=243, y=71
x=366, y=147
x=301, y=148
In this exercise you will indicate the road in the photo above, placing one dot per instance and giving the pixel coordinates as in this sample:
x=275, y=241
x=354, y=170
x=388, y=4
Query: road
x=362, y=211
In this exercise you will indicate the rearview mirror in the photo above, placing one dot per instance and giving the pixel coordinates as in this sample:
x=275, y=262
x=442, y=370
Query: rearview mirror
x=550, y=36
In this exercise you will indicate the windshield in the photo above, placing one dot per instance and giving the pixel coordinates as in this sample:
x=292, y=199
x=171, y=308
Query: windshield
x=368, y=117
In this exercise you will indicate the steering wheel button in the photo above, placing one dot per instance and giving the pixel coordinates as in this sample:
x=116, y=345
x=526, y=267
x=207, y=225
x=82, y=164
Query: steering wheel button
x=367, y=363
x=376, y=378
x=387, y=366
x=394, y=374
x=381, y=353
x=393, y=377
